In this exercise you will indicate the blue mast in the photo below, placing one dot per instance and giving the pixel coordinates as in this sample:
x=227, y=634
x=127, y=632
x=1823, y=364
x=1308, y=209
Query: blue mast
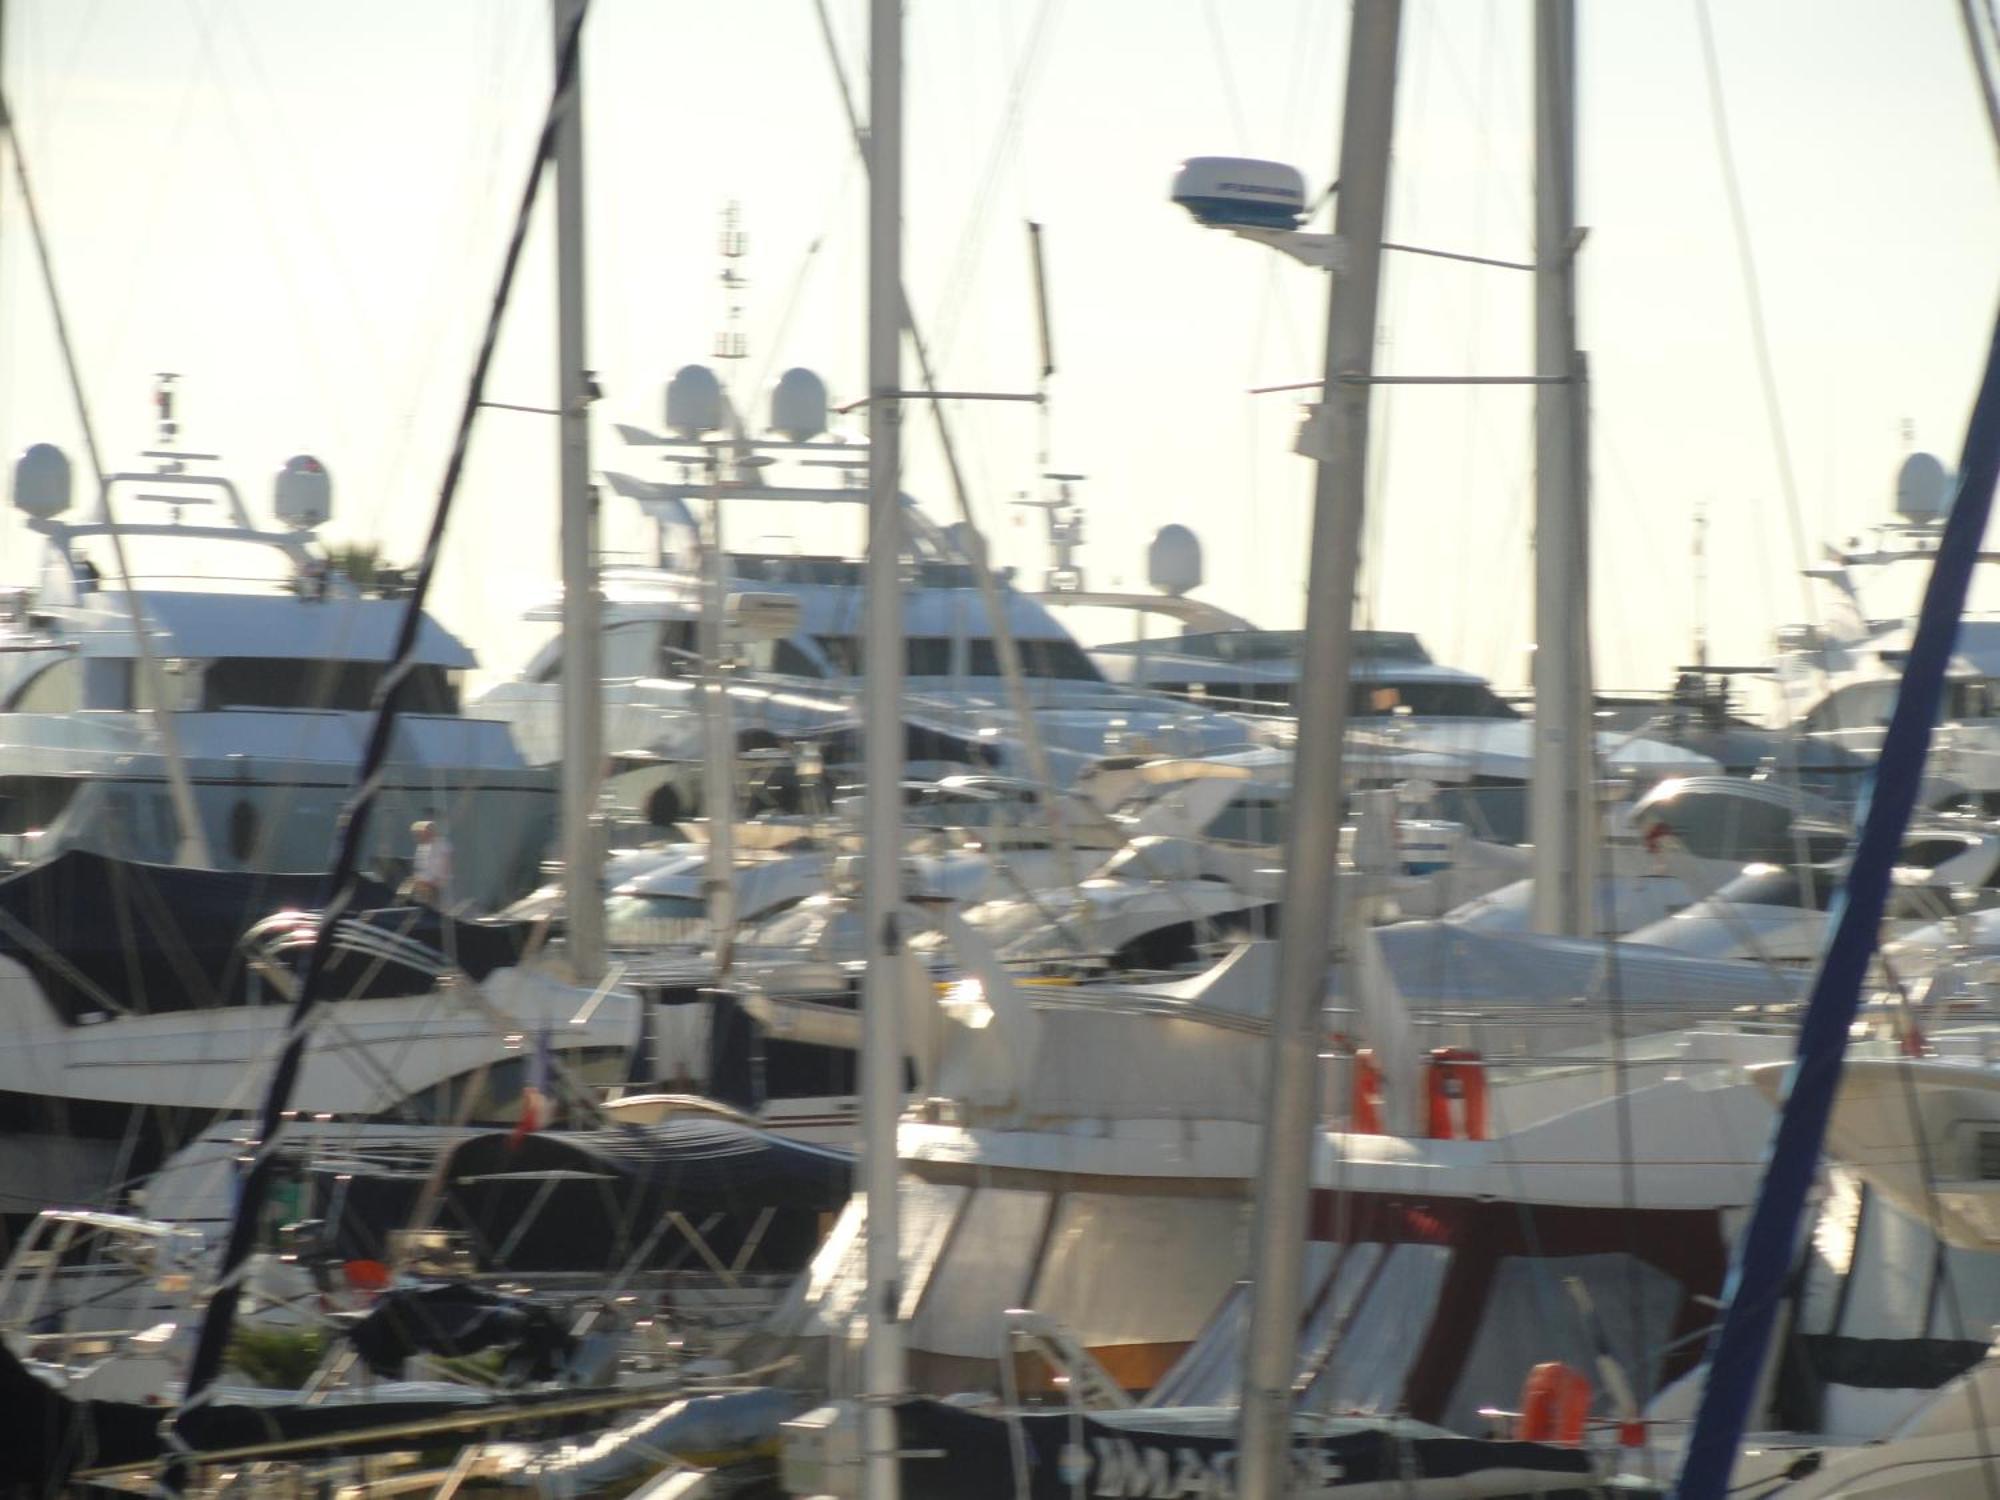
x=1764, y=1254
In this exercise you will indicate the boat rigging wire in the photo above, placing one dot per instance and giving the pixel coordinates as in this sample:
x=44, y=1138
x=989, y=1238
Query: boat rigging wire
x=1983, y=66
x=1005, y=648
x=194, y=842
x=213, y=1339
x=1760, y=340
x=972, y=239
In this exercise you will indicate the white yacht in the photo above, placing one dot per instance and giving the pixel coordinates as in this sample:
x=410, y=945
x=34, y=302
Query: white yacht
x=792, y=626
x=1838, y=677
x=260, y=664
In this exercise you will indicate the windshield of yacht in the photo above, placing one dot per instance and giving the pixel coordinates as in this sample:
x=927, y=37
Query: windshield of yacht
x=966, y=656
x=348, y=686
x=1429, y=700
x=74, y=683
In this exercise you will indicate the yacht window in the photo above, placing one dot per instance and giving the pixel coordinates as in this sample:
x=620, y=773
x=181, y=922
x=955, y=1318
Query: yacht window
x=677, y=654
x=1040, y=657
x=1437, y=700
x=782, y=658
x=927, y=656
x=1970, y=700
x=298, y=682
x=1496, y=812
x=56, y=689
x=1249, y=820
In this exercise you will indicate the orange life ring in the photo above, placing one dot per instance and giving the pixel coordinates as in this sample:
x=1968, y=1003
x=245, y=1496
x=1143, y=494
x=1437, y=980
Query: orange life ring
x=1555, y=1401
x=1455, y=1095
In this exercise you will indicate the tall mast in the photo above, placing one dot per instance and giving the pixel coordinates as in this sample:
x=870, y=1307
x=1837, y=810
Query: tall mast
x=1337, y=436
x=1562, y=802
x=881, y=1045
x=582, y=685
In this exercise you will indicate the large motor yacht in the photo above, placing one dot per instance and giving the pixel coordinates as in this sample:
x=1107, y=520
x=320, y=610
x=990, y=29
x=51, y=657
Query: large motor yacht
x=790, y=624
x=241, y=648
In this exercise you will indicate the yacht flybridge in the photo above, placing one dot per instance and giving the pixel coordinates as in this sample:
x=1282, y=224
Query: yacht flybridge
x=197, y=689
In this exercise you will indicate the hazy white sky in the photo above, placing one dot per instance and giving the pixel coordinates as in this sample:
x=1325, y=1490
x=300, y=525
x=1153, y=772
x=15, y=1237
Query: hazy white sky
x=302, y=208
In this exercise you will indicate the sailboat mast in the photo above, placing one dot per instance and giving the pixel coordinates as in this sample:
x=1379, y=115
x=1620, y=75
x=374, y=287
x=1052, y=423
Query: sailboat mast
x=1337, y=436
x=882, y=734
x=582, y=687
x=1562, y=796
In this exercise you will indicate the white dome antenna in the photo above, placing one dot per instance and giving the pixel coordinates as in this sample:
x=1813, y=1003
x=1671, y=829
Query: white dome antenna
x=1236, y=192
x=302, y=494
x=1173, y=560
x=42, y=482
x=694, y=403
x=798, y=405
x=1923, y=488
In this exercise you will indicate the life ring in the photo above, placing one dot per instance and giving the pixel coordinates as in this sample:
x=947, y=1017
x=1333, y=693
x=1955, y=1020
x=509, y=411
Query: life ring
x=1455, y=1095
x=1555, y=1402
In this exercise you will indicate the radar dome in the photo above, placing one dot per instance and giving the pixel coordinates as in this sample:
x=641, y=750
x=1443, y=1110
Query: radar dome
x=694, y=402
x=1923, y=488
x=798, y=405
x=41, y=481
x=1173, y=561
x=302, y=494
x=1237, y=192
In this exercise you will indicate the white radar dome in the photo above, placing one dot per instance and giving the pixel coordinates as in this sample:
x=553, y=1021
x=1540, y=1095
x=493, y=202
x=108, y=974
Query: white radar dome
x=302, y=494
x=1923, y=488
x=41, y=481
x=798, y=405
x=1173, y=561
x=694, y=402
x=1236, y=192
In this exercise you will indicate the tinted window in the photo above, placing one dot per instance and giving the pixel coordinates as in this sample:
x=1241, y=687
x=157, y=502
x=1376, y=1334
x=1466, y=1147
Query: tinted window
x=1058, y=658
x=1443, y=700
x=288, y=682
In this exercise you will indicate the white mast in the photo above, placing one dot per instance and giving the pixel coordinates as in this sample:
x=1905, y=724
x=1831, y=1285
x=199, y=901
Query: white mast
x=1562, y=798
x=1337, y=436
x=882, y=734
x=719, y=718
x=582, y=686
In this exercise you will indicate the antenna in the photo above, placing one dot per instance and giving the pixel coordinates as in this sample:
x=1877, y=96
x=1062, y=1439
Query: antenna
x=167, y=428
x=1041, y=301
x=732, y=243
x=1701, y=586
x=1065, y=520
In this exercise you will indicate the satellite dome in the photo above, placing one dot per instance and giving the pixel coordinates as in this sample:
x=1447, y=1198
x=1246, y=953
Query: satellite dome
x=1923, y=488
x=798, y=405
x=302, y=494
x=1237, y=192
x=694, y=402
x=41, y=481
x=1173, y=561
